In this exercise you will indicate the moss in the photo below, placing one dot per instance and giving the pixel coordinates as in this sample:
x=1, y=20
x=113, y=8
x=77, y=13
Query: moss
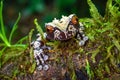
x=103, y=48
x=98, y=59
x=104, y=37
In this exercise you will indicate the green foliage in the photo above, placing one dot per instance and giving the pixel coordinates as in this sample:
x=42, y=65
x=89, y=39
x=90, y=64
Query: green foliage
x=6, y=42
x=32, y=68
x=102, y=49
x=104, y=36
x=11, y=53
x=3, y=37
x=73, y=75
x=38, y=27
x=14, y=28
x=2, y=29
x=88, y=69
x=94, y=12
x=104, y=42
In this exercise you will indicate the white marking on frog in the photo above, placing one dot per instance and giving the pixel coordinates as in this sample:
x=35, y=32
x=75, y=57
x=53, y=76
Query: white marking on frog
x=56, y=34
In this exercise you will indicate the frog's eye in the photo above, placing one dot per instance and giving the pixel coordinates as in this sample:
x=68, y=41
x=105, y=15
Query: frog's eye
x=74, y=20
x=49, y=29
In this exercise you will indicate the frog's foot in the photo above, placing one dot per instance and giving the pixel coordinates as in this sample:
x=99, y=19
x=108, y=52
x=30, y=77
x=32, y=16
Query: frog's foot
x=82, y=42
x=43, y=67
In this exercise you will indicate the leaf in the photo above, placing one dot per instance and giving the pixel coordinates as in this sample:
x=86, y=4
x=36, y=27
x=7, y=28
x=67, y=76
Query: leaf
x=107, y=68
x=112, y=11
x=20, y=45
x=22, y=39
x=15, y=72
x=73, y=75
x=93, y=11
x=11, y=54
x=4, y=39
x=14, y=28
x=31, y=48
x=2, y=27
x=91, y=35
x=38, y=27
x=118, y=1
x=116, y=43
x=30, y=35
x=87, y=22
x=87, y=67
x=94, y=53
x=1, y=53
x=1, y=19
x=108, y=53
x=32, y=68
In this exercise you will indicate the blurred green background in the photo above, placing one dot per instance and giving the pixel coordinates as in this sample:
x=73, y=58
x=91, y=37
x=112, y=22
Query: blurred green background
x=45, y=11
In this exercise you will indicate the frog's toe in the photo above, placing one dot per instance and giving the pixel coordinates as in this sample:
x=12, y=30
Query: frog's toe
x=46, y=67
x=82, y=42
x=85, y=38
x=39, y=67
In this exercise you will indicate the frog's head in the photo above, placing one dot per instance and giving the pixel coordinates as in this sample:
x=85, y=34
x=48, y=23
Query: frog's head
x=62, y=29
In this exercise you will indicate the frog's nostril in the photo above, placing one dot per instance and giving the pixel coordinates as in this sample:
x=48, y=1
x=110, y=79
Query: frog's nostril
x=49, y=29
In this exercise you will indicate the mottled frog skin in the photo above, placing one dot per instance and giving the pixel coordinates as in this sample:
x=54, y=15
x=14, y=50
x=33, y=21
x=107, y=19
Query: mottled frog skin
x=64, y=29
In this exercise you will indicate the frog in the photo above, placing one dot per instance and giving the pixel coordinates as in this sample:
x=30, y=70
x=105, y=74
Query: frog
x=63, y=29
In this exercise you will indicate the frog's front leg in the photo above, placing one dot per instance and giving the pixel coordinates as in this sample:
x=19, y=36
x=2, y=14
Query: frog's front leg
x=81, y=36
x=40, y=54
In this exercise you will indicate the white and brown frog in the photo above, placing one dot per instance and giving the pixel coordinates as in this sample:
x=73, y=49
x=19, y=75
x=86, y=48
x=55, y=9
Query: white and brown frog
x=62, y=30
